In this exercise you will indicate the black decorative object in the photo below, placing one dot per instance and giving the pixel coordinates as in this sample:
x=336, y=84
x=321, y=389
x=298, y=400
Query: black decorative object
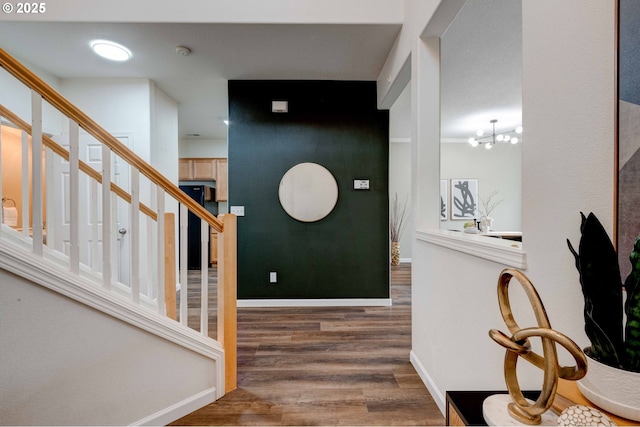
x=597, y=262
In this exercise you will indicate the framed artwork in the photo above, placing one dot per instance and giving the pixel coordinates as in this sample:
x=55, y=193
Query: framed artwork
x=464, y=198
x=628, y=180
x=444, y=200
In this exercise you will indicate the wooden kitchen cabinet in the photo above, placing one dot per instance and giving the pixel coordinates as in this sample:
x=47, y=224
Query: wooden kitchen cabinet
x=214, y=169
x=184, y=170
x=221, y=180
x=204, y=169
x=197, y=169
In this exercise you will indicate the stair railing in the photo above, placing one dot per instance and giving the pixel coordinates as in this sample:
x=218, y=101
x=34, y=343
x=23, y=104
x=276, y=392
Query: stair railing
x=70, y=213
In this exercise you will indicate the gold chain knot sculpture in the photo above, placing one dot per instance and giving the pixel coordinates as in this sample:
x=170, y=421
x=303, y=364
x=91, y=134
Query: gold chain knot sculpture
x=518, y=345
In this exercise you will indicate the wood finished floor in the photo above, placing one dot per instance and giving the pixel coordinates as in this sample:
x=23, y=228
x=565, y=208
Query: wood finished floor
x=325, y=366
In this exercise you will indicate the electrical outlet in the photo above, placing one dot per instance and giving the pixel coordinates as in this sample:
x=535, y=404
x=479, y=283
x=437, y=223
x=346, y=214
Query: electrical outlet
x=273, y=277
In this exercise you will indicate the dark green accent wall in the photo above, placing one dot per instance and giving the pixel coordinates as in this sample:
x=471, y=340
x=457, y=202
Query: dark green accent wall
x=337, y=125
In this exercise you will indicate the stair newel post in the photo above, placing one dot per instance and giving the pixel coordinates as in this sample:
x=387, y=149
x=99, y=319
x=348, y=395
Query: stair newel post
x=160, y=252
x=204, y=278
x=74, y=196
x=227, y=296
x=170, y=264
x=184, y=315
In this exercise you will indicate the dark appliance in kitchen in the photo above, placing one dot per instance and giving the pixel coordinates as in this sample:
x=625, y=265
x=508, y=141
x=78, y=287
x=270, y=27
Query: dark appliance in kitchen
x=204, y=196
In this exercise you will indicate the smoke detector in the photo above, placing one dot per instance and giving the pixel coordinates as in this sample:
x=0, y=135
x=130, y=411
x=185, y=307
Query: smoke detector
x=183, y=51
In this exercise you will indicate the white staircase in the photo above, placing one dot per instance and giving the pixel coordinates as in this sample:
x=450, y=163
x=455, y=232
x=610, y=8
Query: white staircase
x=89, y=329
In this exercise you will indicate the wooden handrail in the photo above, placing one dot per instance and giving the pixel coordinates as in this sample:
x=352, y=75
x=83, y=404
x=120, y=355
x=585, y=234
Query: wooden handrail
x=60, y=151
x=227, y=245
x=32, y=81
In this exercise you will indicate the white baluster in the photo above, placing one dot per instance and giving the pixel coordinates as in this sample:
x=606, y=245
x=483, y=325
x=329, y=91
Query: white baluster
x=74, y=196
x=204, y=278
x=160, y=252
x=115, y=243
x=55, y=201
x=50, y=199
x=95, y=226
x=134, y=228
x=36, y=172
x=106, y=217
x=25, y=187
x=148, y=285
x=184, y=285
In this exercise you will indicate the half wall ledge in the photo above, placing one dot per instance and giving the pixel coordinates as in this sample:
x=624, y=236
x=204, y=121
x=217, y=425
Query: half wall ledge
x=505, y=252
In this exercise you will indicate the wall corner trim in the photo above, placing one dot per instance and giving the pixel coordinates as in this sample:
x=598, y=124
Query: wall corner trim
x=501, y=251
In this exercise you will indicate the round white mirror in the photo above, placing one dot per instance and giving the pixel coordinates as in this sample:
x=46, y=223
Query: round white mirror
x=308, y=192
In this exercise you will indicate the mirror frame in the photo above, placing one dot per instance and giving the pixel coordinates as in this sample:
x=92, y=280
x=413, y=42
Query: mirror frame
x=308, y=192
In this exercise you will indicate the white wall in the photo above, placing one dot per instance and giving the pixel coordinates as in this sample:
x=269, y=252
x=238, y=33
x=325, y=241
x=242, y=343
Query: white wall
x=568, y=167
x=203, y=148
x=400, y=116
x=17, y=97
x=64, y=363
x=400, y=163
x=395, y=74
x=498, y=169
x=400, y=186
x=164, y=134
x=118, y=105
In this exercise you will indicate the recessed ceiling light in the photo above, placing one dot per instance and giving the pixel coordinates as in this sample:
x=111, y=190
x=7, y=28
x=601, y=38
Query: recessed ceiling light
x=111, y=50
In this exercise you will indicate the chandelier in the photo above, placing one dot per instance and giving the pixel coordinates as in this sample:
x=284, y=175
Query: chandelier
x=490, y=140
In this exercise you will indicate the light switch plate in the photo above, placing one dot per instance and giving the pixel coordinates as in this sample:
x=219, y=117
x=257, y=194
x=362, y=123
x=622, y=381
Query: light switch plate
x=237, y=210
x=280, y=106
x=360, y=184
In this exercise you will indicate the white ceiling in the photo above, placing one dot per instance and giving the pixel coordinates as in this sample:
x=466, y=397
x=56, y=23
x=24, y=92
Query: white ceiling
x=481, y=60
x=221, y=52
x=481, y=79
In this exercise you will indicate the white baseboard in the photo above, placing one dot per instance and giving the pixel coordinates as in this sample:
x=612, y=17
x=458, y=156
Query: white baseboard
x=330, y=302
x=406, y=260
x=438, y=397
x=179, y=410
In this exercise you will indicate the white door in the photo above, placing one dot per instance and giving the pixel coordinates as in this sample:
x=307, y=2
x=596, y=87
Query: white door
x=90, y=214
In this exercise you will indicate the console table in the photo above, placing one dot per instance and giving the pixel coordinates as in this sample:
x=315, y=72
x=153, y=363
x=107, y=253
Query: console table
x=464, y=408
